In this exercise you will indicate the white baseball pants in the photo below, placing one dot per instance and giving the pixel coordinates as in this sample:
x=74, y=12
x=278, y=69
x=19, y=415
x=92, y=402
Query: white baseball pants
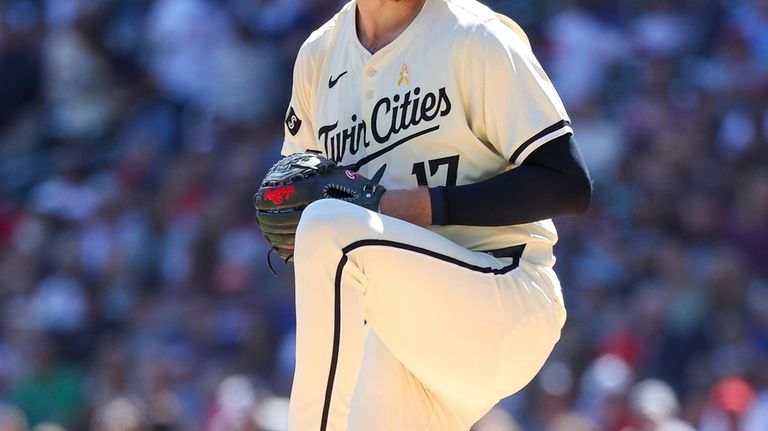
x=399, y=328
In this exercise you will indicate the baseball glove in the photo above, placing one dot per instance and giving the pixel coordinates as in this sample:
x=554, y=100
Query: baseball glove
x=300, y=179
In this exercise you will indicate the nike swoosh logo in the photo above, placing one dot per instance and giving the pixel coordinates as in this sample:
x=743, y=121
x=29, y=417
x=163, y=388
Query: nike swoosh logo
x=332, y=82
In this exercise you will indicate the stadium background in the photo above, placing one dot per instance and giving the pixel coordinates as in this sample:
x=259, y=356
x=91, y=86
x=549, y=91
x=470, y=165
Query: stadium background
x=134, y=293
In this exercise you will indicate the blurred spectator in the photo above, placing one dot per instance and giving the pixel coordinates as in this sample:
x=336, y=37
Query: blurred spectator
x=81, y=100
x=599, y=45
x=69, y=196
x=272, y=413
x=757, y=415
x=604, y=388
x=199, y=55
x=729, y=400
x=120, y=414
x=48, y=427
x=497, y=420
x=53, y=392
x=655, y=408
x=12, y=419
x=570, y=422
x=235, y=408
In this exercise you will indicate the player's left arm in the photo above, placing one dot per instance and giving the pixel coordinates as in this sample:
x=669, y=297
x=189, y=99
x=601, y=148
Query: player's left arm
x=511, y=104
x=552, y=181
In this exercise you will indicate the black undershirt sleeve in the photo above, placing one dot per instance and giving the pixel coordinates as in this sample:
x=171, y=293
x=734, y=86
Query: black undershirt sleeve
x=552, y=181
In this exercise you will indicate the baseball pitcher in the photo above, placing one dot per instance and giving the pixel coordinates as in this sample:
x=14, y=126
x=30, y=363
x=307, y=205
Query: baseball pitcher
x=426, y=152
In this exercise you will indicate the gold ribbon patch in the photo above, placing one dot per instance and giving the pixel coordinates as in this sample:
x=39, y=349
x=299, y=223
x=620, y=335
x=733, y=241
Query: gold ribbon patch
x=404, y=76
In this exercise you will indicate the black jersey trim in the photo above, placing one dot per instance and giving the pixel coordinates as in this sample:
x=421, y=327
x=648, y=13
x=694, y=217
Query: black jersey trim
x=337, y=299
x=549, y=130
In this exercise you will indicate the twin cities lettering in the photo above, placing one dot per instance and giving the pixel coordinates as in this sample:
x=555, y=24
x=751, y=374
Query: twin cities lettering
x=390, y=116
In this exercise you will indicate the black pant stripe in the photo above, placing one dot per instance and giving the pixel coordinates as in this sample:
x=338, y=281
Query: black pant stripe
x=337, y=300
x=336, y=341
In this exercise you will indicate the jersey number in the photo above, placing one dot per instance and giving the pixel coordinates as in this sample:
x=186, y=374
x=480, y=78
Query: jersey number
x=420, y=170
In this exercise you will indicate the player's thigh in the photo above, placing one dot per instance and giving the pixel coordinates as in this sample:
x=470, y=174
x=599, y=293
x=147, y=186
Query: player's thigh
x=445, y=323
x=470, y=336
x=534, y=314
x=389, y=398
x=450, y=315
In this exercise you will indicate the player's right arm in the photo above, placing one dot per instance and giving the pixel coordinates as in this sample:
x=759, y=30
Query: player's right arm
x=298, y=125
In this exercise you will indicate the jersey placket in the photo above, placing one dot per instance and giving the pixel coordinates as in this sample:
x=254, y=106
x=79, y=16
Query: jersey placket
x=377, y=78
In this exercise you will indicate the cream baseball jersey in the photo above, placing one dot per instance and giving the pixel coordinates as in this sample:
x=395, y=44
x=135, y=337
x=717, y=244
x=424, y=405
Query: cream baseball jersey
x=457, y=98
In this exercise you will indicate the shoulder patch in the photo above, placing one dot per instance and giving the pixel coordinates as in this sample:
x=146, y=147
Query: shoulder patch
x=293, y=122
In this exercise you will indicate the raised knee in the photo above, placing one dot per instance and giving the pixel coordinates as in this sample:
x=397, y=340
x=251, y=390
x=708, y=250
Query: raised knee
x=320, y=217
x=329, y=222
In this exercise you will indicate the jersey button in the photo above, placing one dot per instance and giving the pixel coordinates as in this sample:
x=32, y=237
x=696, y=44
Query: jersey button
x=369, y=94
x=371, y=71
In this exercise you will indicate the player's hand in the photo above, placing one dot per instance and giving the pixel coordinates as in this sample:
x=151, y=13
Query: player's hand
x=300, y=179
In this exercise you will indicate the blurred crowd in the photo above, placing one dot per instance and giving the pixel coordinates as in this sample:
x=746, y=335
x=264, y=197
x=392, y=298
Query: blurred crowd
x=134, y=291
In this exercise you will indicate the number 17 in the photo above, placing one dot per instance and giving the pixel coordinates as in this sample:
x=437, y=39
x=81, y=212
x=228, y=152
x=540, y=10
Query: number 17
x=420, y=170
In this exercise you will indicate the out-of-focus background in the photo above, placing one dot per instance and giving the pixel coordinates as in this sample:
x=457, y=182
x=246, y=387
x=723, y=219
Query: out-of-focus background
x=134, y=293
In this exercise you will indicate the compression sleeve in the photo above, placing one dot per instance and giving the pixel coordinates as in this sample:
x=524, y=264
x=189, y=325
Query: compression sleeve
x=552, y=181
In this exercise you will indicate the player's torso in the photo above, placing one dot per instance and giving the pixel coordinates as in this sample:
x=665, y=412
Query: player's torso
x=404, y=107
x=401, y=106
